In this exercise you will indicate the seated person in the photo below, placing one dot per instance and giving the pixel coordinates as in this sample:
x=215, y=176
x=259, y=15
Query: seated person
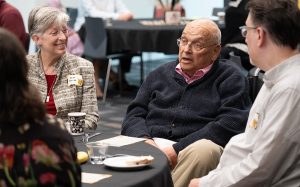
x=268, y=152
x=35, y=149
x=197, y=102
x=233, y=43
x=161, y=8
x=65, y=81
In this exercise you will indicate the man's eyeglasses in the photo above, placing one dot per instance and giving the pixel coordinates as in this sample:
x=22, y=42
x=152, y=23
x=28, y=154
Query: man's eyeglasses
x=196, y=46
x=244, y=30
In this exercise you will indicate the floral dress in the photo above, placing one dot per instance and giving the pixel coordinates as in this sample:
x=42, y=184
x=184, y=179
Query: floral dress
x=40, y=154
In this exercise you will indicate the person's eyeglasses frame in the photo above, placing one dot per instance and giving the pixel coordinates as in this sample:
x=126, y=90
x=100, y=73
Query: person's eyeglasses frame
x=193, y=48
x=57, y=33
x=244, y=29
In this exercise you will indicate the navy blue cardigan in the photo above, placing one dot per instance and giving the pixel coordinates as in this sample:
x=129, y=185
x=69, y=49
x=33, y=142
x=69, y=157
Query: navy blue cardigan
x=214, y=107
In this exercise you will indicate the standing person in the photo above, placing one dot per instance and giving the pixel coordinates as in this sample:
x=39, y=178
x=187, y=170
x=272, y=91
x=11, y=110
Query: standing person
x=197, y=102
x=65, y=81
x=11, y=19
x=267, y=154
x=35, y=148
x=106, y=9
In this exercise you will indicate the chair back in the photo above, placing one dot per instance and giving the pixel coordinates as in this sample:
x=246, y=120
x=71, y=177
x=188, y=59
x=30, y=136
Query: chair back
x=255, y=78
x=216, y=10
x=72, y=12
x=95, y=39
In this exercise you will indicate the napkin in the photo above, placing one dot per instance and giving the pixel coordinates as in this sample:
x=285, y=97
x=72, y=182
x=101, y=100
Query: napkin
x=121, y=140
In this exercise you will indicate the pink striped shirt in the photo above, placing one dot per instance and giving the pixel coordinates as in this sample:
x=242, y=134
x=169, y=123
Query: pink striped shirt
x=197, y=75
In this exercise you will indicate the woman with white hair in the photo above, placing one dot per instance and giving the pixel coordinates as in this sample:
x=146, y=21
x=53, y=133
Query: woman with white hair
x=66, y=82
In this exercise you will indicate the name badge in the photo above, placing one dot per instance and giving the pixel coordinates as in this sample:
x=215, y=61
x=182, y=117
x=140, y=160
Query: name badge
x=253, y=123
x=75, y=80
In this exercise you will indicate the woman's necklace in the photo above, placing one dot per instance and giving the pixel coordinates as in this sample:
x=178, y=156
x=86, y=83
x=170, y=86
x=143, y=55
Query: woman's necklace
x=50, y=89
x=51, y=85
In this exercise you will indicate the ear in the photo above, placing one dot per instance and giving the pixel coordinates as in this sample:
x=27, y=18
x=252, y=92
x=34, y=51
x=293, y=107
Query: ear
x=36, y=38
x=261, y=36
x=216, y=52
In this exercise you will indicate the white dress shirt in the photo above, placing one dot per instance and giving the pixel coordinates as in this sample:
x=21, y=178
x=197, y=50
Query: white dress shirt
x=99, y=8
x=268, y=153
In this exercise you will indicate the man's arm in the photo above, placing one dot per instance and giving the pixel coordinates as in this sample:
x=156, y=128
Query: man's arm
x=275, y=150
x=134, y=123
x=13, y=22
x=93, y=11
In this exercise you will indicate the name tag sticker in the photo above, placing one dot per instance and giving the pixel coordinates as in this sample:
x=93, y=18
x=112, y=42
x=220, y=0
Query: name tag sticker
x=75, y=80
x=253, y=123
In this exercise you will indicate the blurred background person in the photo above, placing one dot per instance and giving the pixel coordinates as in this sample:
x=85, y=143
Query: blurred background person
x=66, y=81
x=75, y=45
x=233, y=43
x=11, y=19
x=161, y=7
x=106, y=9
x=31, y=142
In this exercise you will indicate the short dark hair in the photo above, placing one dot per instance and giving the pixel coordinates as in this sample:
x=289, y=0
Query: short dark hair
x=281, y=19
x=20, y=103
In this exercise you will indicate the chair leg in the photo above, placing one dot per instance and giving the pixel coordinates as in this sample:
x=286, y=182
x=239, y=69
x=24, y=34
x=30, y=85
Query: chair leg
x=106, y=80
x=120, y=78
x=142, y=68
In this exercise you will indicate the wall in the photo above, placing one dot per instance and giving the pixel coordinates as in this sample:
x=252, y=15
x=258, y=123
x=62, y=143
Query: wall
x=140, y=8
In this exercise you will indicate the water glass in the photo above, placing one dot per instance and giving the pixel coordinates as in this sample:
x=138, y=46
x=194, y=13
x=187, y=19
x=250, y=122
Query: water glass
x=97, y=152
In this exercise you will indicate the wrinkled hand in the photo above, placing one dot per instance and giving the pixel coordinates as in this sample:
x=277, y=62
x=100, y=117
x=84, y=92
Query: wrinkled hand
x=195, y=183
x=171, y=155
x=125, y=17
x=151, y=142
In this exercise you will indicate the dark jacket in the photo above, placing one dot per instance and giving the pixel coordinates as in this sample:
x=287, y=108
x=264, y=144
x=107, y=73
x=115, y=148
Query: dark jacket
x=214, y=107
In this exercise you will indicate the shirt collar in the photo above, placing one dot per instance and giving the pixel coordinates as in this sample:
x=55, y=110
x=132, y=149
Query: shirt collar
x=197, y=75
x=281, y=70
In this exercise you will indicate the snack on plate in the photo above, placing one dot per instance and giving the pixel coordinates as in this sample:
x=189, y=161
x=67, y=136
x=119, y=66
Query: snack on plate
x=82, y=157
x=139, y=160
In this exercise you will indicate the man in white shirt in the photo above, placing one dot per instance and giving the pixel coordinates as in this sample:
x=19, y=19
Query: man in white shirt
x=268, y=153
x=106, y=9
x=114, y=9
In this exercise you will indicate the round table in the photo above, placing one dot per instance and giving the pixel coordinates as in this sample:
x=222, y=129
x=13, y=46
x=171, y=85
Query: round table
x=134, y=36
x=155, y=175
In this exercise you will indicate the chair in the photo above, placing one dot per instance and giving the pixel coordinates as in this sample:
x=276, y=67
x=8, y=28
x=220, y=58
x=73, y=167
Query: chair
x=255, y=78
x=95, y=47
x=72, y=12
x=216, y=10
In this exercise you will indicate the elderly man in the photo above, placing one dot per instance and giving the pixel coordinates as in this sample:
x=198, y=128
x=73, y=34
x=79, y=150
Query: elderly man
x=197, y=100
x=267, y=154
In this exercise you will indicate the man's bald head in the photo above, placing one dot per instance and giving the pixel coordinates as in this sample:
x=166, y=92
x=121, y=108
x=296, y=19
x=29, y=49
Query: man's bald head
x=209, y=30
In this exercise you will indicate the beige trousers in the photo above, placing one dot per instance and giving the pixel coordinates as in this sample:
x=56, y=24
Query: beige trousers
x=196, y=161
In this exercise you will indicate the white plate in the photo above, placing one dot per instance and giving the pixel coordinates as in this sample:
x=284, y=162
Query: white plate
x=120, y=163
